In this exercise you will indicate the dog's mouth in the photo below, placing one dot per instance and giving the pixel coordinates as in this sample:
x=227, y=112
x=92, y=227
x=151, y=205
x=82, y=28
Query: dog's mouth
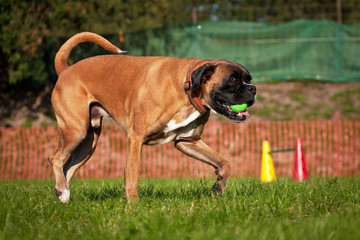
x=223, y=108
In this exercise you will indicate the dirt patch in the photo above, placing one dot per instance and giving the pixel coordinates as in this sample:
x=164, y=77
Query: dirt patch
x=307, y=101
x=296, y=100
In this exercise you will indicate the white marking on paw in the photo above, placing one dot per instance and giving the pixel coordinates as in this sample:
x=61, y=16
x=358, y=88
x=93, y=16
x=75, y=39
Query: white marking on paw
x=65, y=196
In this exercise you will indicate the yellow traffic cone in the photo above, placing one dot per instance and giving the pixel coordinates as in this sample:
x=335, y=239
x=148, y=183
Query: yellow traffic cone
x=267, y=166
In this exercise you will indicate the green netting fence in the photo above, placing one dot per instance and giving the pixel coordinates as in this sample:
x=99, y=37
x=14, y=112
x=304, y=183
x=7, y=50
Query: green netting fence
x=301, y=49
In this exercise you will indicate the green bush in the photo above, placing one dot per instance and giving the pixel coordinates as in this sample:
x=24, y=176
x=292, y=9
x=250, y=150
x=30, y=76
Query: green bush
x=28, y=27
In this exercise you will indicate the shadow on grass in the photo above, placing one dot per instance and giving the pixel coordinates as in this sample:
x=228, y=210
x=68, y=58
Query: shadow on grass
x=158, y=190
x=104, y=193
x=195, y=190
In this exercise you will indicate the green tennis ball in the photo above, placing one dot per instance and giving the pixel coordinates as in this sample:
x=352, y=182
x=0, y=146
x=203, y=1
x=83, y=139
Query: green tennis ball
x=239, y=107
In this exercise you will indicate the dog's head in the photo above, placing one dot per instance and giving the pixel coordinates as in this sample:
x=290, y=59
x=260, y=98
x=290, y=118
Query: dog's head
x=221, y=84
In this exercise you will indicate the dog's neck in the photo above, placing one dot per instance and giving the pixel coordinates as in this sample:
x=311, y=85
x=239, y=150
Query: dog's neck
x=187, y=86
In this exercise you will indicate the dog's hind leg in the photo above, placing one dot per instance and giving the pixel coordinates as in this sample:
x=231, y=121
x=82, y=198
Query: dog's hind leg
x=81, y=154
x=200, y=151
x=73, y=129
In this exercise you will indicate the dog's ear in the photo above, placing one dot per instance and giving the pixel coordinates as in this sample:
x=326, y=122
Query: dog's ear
x=201, y=75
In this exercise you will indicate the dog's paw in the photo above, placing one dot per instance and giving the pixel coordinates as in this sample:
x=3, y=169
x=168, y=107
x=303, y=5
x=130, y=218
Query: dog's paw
x=64, y=196
x=218, y=188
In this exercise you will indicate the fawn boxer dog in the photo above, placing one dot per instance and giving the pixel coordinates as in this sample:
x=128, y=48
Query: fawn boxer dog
x=155, y=100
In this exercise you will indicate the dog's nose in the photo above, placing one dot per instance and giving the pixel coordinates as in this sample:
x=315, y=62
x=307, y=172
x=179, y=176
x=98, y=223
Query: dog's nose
x=251, y=88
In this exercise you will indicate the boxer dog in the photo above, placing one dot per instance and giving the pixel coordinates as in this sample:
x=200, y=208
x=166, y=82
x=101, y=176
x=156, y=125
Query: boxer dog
x=156, y=100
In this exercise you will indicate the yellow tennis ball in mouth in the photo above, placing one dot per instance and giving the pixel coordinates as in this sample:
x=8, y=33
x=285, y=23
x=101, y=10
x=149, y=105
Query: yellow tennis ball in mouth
x=239, y=107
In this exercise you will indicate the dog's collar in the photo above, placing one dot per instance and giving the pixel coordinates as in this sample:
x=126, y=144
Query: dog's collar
x=187, y=86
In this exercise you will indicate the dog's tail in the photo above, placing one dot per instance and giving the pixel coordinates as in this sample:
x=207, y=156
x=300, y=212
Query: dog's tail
x=64, y=52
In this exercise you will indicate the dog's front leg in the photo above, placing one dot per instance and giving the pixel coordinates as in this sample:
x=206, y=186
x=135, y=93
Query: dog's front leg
x=200, y=151
x=133, y=150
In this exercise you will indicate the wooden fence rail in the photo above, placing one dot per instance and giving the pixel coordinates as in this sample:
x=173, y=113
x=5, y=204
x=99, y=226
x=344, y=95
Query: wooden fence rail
x=332, y=149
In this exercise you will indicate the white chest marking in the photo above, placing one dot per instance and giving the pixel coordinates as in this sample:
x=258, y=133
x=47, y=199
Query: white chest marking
x=172, y=125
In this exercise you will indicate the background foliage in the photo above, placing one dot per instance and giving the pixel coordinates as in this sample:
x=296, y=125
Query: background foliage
x=27, y=26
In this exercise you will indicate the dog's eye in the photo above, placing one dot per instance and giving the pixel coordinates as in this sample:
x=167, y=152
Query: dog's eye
x=233, y=79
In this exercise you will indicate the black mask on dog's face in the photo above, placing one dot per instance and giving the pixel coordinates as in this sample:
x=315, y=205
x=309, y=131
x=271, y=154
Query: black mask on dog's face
x=230, y=85
x=235, y=89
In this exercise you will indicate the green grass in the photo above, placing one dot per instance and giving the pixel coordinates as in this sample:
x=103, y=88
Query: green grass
x=183, y=209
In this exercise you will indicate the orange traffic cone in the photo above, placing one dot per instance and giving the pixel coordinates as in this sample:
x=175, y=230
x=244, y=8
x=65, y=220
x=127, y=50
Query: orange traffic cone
x=267, y=166
x=300, y=172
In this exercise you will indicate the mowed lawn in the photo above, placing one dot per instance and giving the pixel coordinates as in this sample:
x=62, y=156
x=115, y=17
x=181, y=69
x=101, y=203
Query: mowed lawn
x=321, y=208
